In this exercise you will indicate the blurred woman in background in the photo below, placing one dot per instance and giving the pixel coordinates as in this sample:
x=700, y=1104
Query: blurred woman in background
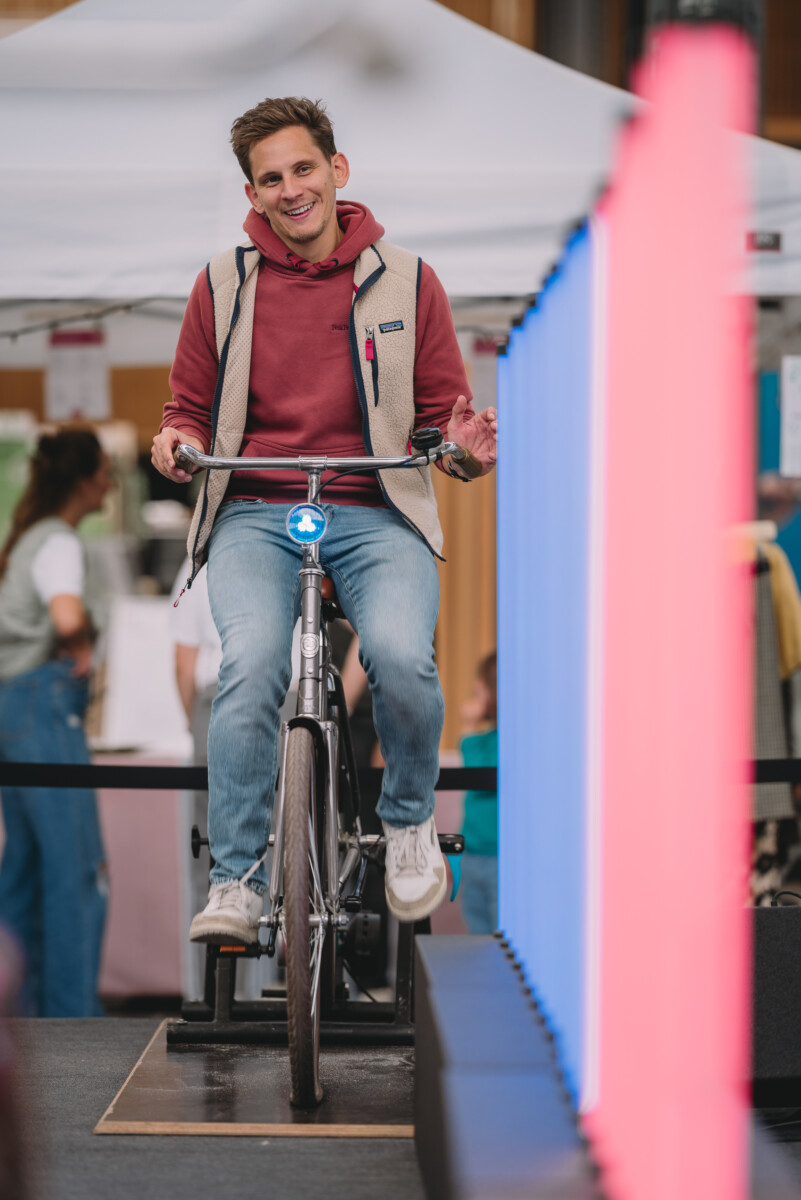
x=53, y=878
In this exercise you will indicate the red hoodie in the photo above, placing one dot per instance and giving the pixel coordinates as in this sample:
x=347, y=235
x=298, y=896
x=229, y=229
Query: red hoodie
x=303, y=397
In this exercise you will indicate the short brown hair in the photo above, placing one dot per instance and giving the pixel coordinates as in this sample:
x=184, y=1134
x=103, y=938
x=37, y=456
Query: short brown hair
x=271, y=115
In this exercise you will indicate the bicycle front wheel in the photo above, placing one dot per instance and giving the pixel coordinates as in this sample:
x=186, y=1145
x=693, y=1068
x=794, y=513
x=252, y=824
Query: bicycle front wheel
x=304, y=919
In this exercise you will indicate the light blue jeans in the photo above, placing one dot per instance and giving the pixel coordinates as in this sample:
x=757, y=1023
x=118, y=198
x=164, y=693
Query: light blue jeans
x=53, y=875
x=388, y=588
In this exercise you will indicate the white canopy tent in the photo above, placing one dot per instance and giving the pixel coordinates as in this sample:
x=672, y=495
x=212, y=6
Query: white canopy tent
x=120, y=180
x=480, y=155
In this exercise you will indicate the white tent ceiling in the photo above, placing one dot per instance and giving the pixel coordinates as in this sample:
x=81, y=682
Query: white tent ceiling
x=480, y=155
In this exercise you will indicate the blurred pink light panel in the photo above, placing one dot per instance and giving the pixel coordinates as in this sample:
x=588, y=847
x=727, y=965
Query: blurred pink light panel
x=669, y=1111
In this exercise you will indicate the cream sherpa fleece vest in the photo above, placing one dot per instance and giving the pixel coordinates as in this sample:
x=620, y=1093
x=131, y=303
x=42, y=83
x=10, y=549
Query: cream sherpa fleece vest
x=386, y=281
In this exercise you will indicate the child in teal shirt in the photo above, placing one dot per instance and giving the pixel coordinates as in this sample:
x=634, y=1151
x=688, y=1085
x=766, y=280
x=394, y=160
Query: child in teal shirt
x=479, y=747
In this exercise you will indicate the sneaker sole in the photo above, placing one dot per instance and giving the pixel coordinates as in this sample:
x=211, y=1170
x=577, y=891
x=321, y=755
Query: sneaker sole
x=420, y=909
x=219, y=931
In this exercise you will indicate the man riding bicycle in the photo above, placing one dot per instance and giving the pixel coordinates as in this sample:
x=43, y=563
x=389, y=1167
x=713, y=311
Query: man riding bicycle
x=317, y=337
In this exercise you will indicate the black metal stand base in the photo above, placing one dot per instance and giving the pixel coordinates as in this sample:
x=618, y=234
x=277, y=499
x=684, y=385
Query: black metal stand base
x=338, y=1032
x=220, y=1019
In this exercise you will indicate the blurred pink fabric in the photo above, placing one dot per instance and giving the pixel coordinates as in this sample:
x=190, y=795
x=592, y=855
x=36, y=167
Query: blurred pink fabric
x=144, y=930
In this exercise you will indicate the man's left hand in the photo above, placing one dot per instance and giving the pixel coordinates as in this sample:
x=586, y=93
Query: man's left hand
x=477, y=432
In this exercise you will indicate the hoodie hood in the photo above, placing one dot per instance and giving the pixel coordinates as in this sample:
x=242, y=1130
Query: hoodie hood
x=357, y=223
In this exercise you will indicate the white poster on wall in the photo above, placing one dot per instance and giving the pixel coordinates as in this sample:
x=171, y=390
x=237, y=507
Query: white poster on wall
x=790, y=440
x=76, y=380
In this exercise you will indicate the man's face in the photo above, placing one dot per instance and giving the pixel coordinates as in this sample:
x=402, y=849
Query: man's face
x=294, y=187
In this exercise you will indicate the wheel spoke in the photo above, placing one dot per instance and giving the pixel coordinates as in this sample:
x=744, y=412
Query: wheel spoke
x=316, y=962
x=317, y=905
x=315, y=872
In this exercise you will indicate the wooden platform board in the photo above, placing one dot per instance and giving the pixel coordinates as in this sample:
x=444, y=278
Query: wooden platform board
x=242, y=1091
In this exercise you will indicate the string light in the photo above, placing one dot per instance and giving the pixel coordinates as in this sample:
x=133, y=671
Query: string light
x=77, y=318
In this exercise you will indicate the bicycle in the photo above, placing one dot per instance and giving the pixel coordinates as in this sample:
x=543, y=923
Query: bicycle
x=317, y=839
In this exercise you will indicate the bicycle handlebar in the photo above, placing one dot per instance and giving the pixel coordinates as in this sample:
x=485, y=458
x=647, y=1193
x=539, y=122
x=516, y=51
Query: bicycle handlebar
x=184, y=454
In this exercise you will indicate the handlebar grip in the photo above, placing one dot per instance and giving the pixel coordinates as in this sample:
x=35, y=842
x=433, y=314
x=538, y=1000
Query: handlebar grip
x=468, y=463
x=182, y=459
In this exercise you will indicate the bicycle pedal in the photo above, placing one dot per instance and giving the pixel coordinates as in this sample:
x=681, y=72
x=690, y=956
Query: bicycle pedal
x=249, y=950
x=196, y=841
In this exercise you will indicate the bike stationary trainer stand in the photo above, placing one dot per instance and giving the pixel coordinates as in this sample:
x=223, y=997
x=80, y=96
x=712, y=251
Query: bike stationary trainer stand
x=220, y=1019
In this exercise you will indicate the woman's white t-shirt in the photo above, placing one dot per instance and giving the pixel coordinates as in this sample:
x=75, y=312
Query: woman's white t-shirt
x=58, y=568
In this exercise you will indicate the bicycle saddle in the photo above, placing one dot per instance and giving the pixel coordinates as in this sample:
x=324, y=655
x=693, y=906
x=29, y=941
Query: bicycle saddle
x=331, y=608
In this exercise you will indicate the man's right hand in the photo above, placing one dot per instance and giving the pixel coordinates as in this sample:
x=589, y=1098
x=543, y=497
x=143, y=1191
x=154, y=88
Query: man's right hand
x=161, y=456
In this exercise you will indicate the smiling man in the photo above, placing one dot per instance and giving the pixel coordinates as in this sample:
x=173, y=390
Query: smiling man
x=316, y=337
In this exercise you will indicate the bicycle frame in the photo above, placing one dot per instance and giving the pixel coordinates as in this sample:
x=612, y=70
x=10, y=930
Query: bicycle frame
x=312, y=711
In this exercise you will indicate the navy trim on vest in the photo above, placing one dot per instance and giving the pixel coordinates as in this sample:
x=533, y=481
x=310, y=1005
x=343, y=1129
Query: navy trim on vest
x=419, y=273
x=215, y=406
x=357, y=372
x=208, y=281
x=354, y=354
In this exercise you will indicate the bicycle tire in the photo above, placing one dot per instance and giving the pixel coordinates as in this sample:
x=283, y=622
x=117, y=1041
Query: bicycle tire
x=303, y=998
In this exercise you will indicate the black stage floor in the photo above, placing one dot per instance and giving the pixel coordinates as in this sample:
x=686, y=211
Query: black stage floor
x=73, y=1070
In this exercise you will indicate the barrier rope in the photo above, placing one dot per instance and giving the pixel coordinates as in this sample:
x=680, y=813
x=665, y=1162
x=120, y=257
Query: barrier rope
x=777, y=770
x=196, y=779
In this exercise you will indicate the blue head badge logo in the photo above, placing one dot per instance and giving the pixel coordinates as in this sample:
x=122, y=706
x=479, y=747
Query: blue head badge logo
x=306, y=523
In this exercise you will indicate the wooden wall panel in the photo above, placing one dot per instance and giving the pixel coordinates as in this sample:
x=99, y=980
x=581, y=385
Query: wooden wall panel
x=479, y=11
x=138, y=394
x=466, y=631
x=23, y=389
x=781, y=73
x=514, y=19
x=32, y=10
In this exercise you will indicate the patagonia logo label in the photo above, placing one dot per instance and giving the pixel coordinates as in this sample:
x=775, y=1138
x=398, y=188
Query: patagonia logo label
x=390, y=326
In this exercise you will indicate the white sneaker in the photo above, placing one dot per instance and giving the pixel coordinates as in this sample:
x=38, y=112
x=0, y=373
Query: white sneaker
x=415, y=871
x=233, y=911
